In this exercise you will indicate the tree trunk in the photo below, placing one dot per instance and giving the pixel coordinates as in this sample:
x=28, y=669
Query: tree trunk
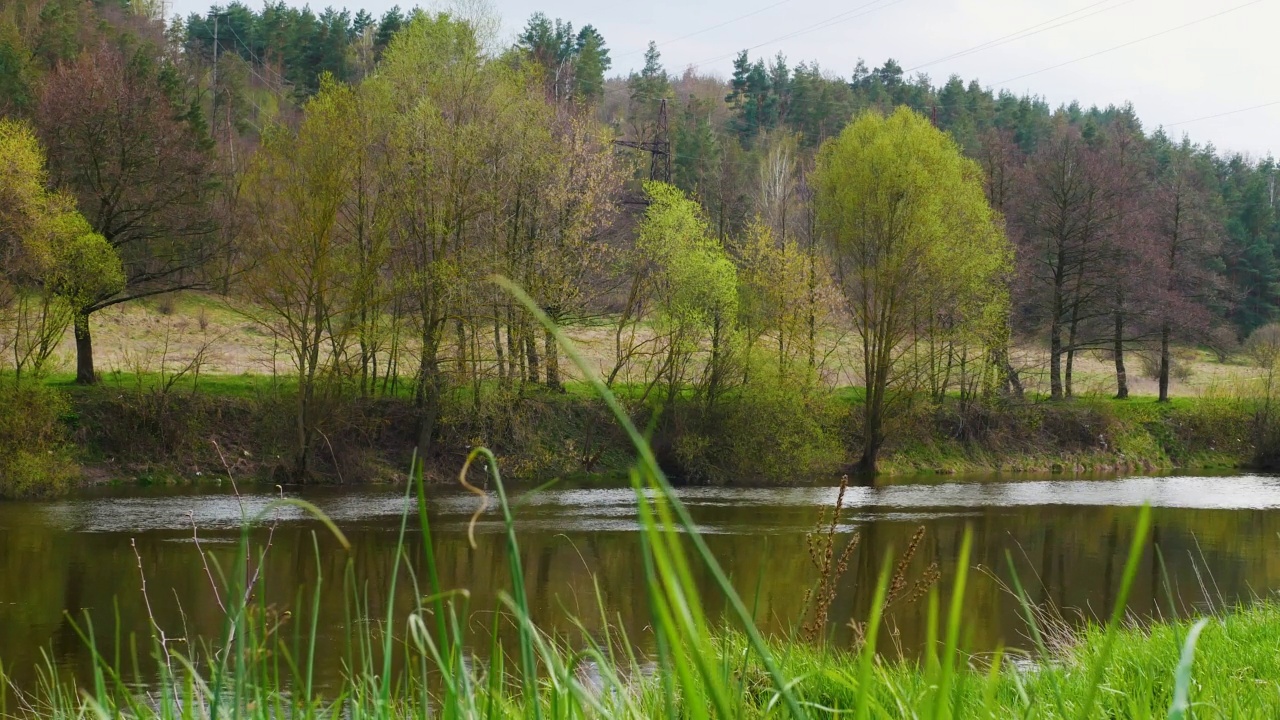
x=868, y=464
x=1067, y=384
x=873, y=432
x=303, y=450
x=552, y=352
x=460, y=330
x=84, y=351
x=1055, y=361
x=514, y=363
x=1067, y=388
x=428, y=398
x=1011, y=377
x=1122, y=379
x=497, y=349
x=713, y=376
x=1164, y=361
x=813, y=310
x=531, y=351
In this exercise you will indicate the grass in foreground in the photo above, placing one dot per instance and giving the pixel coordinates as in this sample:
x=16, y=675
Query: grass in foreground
x=422, y=666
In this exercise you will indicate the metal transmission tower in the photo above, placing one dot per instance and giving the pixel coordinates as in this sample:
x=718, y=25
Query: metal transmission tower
x=659, y=148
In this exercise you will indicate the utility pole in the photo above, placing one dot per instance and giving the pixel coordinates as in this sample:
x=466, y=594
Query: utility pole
x=214, y=113
x=659, y=148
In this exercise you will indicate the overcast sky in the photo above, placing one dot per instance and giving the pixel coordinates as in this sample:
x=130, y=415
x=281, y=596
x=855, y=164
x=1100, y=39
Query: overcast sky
x=1206, y=57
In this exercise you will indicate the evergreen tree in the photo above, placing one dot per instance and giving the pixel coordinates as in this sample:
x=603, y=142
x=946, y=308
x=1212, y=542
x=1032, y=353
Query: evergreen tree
x=590, y=65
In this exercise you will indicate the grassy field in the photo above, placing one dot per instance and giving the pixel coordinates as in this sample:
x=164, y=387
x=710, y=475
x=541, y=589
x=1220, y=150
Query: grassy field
x=163, y=335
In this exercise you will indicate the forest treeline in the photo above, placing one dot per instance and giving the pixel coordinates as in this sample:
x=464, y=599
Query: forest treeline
x=738, y=245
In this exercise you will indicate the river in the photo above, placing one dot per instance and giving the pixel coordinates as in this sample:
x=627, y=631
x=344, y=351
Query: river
x=1068, y=538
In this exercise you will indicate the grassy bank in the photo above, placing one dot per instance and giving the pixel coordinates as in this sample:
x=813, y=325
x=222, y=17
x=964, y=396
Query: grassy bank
x=150, y=428
x=1233, y=674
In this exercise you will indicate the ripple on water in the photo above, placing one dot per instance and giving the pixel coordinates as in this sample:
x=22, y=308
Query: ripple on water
x=613, y=509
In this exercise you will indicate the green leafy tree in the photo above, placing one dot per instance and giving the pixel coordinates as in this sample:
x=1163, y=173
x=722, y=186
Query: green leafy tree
x=693, y=284
x=15, y=70
x=910, y=234
x=300, y=270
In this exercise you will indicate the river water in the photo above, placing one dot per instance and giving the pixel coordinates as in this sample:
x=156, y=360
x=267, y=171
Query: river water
x=1068, y=538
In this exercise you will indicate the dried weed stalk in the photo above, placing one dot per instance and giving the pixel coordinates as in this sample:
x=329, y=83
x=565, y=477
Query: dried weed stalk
x=831, y=568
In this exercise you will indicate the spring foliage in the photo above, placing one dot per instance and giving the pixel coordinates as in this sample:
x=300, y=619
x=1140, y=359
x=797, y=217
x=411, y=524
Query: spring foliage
x=918, y=252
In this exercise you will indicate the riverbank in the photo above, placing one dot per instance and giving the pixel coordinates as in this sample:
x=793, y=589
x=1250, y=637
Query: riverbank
x=141, y=429
x=1234, y=674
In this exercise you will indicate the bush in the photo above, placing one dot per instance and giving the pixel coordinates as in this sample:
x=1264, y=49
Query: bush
x=1181, y=364
x=33, y=452
x=768, y=430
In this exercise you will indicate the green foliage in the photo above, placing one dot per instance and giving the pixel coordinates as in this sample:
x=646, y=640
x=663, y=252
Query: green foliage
x=769, y=429
x=33, y=443
x=53, y=261
x=591, y=63
x=15, y=70
x=84, y=265
x=694, y=280
x=920, y=256
x=572, y=66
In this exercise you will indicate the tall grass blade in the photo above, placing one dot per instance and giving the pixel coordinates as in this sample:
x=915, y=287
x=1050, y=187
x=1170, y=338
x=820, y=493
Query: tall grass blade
x=1182, y=677
x=650, y=465
x=1117, y=613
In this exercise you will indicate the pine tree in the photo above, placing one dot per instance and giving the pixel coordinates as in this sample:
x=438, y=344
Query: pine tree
x=591, y=64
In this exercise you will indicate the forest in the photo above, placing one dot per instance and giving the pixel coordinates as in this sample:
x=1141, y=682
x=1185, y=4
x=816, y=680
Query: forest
x=733, y=253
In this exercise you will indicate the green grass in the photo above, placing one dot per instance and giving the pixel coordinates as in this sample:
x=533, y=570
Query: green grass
x=235, y=386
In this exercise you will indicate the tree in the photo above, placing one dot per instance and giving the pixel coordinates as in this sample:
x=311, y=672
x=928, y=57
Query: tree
x=1063, y=214
x=138, y=171
x=457, y=119
x=910, y=232
x=591, y=64
x=15, y=70
x=51, y=261
x=550, y=46
x=574, y=207
x=1126, y=166
x=301, y=270
x=1188, y=232
x=693, y=285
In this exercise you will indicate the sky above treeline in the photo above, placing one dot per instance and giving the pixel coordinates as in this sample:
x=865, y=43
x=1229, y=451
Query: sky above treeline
x=1205, y=68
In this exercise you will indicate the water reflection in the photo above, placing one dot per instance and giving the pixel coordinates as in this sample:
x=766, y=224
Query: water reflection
x=1068, y=540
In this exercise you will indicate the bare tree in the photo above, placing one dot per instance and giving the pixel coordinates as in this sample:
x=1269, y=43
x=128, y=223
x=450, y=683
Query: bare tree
x=139, y=170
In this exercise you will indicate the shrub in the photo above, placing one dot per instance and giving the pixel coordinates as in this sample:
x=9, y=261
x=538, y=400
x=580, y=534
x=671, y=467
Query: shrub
x=1181, y=364
x=33, y=453
x=768, y=430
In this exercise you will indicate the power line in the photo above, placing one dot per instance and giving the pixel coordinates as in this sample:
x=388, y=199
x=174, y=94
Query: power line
x=855, y=13
x=1025, y=32
x=708, y=29
x=1224, y=114
x=1132, y=42
x=256, y=59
